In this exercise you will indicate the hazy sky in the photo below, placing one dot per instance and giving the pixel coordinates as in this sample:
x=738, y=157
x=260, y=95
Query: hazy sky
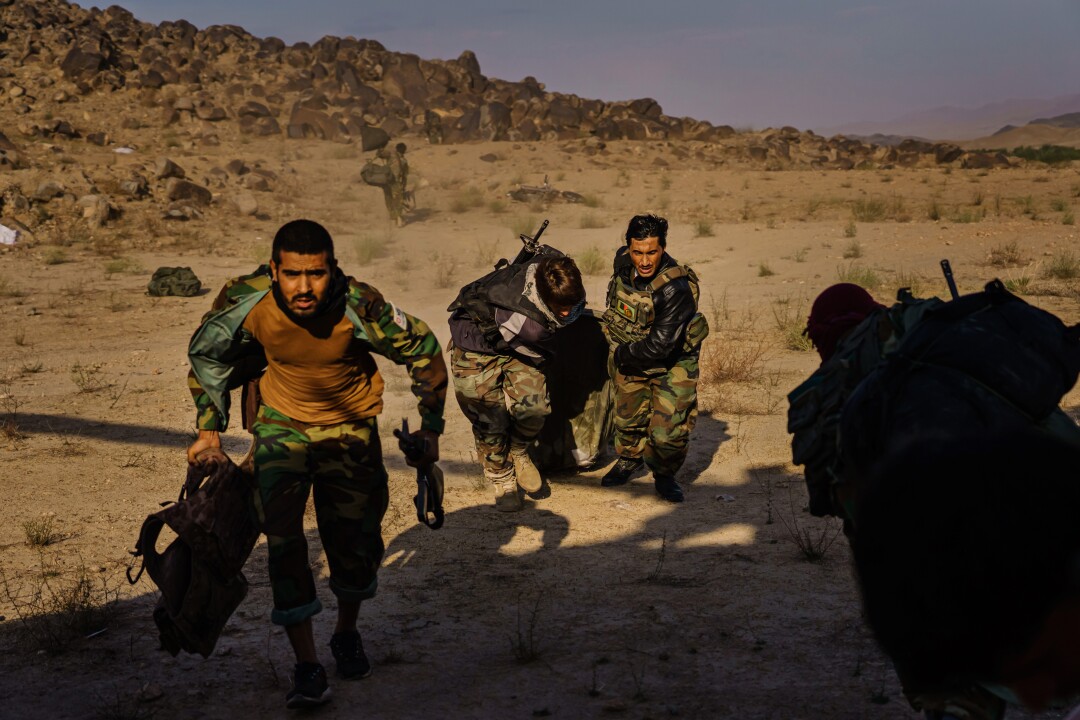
x=753, y=63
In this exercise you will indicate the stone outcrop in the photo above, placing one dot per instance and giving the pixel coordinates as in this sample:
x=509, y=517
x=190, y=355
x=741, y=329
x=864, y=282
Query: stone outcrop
x=221, y=79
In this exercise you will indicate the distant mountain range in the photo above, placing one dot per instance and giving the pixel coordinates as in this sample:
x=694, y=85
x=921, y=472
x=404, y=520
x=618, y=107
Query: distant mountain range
x=956, y=123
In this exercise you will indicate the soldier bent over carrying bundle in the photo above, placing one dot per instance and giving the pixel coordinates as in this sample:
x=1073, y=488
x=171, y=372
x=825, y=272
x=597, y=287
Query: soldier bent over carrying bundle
x=500, y=326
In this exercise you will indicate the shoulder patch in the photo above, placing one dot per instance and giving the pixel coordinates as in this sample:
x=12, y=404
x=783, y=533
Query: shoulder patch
x=397, y=315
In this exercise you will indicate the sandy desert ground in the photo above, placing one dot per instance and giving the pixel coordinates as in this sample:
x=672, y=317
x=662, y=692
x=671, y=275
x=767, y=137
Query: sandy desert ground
x=590, y=603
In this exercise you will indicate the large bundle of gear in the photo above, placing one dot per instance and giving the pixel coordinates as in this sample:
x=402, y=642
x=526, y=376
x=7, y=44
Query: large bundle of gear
x=998, y=353
x=578, y=430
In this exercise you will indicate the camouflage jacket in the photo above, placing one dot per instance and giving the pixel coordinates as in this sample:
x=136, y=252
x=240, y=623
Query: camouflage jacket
x=223, y=355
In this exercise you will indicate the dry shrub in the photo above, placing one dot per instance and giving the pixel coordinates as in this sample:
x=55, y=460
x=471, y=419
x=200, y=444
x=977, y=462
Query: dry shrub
x=790, y=318
x=1063, y=266
x=370, y=248
x=56, y=609
x=41, y=532
x=590, y=261
x=445, y=270
x=1005, y=255
x=733, y=361
x=466, y=199
x=813, y=538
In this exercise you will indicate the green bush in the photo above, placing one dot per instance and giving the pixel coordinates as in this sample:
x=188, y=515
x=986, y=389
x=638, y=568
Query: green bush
x=1049, y=154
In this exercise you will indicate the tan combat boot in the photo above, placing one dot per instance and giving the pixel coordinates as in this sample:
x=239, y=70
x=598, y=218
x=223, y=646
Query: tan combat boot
x=507, y=498
x=528, y=477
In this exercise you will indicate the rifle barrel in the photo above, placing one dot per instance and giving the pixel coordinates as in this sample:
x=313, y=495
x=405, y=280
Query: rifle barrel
x=946, y=269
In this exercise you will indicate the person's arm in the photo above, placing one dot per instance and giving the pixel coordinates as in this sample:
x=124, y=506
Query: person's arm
x=524, y=335
x=408, y=341
x=674, y=306
x=209, y=419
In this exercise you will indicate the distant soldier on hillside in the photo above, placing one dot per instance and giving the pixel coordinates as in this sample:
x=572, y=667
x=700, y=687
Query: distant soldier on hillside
x=389, y=171
x=395, y=192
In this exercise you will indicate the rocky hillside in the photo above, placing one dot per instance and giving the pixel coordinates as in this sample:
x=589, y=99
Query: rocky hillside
x=222, y=80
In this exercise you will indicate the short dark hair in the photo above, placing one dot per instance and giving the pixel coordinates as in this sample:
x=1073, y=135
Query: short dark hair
x=964, y=547
x=400, y=147
x=642, y=227
x=558, y=281
x=306, y=237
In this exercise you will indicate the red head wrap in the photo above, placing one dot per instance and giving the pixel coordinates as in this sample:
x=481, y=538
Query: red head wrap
x=836, y=311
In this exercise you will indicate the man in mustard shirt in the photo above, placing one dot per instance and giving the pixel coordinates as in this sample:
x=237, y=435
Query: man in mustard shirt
x=314, y=330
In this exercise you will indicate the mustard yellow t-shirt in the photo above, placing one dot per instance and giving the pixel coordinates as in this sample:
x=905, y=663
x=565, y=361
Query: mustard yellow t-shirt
x=317, y=371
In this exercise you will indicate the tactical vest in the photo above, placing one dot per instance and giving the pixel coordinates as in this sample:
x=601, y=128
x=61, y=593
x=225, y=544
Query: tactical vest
x=509, y=287
x=630, y=312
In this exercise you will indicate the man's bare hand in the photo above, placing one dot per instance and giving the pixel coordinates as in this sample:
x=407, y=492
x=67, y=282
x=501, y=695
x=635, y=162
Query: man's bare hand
x=430, y=439
x=208, y=445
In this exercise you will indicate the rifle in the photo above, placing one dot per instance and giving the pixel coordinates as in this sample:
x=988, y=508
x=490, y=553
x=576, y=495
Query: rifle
x=531, y=245
x=946, y=269
x=429, y=478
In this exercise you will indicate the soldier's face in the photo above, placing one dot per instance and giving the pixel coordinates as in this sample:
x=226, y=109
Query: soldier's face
x=646, y=254
x=303, y=281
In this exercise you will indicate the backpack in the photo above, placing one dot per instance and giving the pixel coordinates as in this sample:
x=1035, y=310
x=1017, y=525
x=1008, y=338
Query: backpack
x=998, y=353
x=174, y=281
x=199, y=573
x=377, y=174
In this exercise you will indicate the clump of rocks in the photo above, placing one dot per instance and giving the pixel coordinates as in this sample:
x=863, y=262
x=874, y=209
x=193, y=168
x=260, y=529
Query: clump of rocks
x=349, y=89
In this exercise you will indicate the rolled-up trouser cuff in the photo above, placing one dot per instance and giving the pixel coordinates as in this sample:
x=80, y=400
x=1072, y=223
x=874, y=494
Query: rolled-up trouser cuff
x=295, y=615
x=352, y=594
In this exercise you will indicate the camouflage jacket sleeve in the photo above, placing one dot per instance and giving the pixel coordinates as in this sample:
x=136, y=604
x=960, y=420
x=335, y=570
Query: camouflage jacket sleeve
x=208, y=416
x=407, y=341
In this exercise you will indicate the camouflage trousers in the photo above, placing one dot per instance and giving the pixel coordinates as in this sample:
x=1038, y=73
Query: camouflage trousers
x=343, y=466
x=505, y=399
x=394, y=196
x=655, y=415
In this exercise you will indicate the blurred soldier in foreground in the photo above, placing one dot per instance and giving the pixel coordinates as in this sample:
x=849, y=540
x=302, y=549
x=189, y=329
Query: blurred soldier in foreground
x=933, y=430
x=314, y=330
x=502, y=326
x=655, y=329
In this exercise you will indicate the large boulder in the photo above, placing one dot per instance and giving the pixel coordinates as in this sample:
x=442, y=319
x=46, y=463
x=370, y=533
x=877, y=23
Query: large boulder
x=80, y=64
x=166, y=168
x=403, y=78
x=494, y=121
x=187, y=191
x=373, y=138
x=305, y=122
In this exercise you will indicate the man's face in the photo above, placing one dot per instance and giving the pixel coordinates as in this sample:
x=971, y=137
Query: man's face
x=303, y=281
x=646, y=254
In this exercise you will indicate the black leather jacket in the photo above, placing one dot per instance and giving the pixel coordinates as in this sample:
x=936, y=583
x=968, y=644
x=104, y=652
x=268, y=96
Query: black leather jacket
x=673, y=305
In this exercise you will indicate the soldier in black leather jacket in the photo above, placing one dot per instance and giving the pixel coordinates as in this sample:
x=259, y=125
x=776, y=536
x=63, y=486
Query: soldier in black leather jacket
x=654, y=326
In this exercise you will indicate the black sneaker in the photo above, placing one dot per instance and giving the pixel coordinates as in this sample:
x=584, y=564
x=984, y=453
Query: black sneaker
x=668, y=488
x=348, y=651
x=621, y=471
x=309, y=686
